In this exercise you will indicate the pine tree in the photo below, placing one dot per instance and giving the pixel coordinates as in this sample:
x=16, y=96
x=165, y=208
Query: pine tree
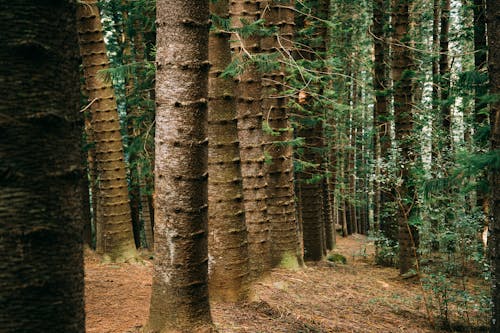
x=493, y=28
x=41, y=170
x=249, y=111
x=401, y=63
x=228, y=245
x=114, y=236
x=179, y=299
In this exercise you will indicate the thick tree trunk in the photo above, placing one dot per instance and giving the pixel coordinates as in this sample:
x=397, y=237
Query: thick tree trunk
x=227, y=242
x=279, y=173
x=249, y=110
x=179, y=299
x=41, y=170
x=404, y=131
x=115, y=239
x=493, y=24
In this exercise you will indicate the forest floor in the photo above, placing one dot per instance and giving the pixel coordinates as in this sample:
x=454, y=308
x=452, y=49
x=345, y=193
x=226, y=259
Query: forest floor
x=358, y=296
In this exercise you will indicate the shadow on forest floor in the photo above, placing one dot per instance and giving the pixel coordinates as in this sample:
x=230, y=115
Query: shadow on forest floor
x=323, y=297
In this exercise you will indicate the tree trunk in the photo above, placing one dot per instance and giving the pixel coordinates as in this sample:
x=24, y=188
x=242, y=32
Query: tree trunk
x=249, y=110
x=445, y=80
x=41, y=170
x=227, y=242
x=115, y=240
x=179, y=299
x=404, y=130
x=279, y=173
x=493, y=24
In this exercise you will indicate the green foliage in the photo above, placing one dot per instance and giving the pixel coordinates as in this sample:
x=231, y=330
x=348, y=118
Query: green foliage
x=337, y=258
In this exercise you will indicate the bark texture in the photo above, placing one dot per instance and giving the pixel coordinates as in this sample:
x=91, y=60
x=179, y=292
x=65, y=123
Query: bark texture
x=114, y=235
x=444, y=74
x=279, y=173
x=493, y=22
x=404, y=130
x=381, y=115
x=227, y=242
x=312, y=131
x=41, y=170
x=179, y=300
x=248, y=104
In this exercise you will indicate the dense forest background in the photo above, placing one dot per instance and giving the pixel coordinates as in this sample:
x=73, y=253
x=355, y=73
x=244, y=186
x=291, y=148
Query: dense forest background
x=233, y=137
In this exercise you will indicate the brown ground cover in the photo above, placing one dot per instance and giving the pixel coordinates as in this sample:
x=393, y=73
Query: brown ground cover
x=323, y=297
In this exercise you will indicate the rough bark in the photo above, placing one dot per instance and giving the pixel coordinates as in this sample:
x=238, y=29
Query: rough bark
x=179, y=300
x=480, y=59
x=227, y=242
x=41, y=170
x=401, y=62
x=311, y=130
x=493, y=27
x=280, y=191
x=444, y=74
x=115, y=239
x=249, y=111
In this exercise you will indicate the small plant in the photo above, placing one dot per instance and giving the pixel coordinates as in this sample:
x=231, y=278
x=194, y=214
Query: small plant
x=337, y=258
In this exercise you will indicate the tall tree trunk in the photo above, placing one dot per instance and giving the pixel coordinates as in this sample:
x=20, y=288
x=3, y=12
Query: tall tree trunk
x=179, y=299
x=435, y=153
x=404, y=130
x=310, y=177
x=115, y=240
x=249, y=110
x=381, y=118
x=146, y=215
x=481, y=89
x=227, y=242
x=445, y=80
x=480, y=59
x=493, y=25
x=279, y=173
x=41, y=170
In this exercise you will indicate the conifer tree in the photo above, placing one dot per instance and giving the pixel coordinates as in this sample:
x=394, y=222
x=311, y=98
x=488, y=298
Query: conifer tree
x=114, y=236
x=228, y=245
x=41, y=170
x=179, y=299
x=493, y=28
x=279, y=171
x=249, y=112
x=405, y=190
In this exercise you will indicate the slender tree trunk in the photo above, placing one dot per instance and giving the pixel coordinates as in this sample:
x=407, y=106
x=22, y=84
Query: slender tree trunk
x=279, y=173
x=381, y=108
x=404, y=130
x=481, y=89
x=249, y=110
x=227, y=242
x=493, y=25
x=444, y=74
x=115, y=240
x=41, y=170
x=435, y=83
x=145, y=210
x=179, y=299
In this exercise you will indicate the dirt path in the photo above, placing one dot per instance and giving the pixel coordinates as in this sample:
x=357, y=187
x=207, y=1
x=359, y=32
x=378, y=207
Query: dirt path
x=355, y=297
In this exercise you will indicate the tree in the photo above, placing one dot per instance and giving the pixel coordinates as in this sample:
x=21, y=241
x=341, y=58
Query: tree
x=401, y=73
x=381, y=115
x=227, y=242
x=279, y=134
x=41, y=171
x=114, y=236
x=493, y=28
x=179, y=299
x=249, y=112
x=312, y=35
